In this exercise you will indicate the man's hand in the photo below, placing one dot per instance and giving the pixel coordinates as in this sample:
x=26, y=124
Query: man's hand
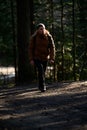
x=51, y=61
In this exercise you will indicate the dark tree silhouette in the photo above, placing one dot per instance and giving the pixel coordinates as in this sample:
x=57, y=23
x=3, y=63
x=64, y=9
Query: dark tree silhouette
x=24, y=27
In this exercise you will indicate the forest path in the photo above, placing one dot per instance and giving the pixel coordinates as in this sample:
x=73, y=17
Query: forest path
x=62, y=107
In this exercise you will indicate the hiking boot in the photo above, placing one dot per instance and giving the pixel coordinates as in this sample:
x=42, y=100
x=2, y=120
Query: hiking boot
x=43, y=89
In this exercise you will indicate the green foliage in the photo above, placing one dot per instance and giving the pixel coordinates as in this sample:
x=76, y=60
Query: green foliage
x=64, y=38
x=66, y=28
x=6, y=36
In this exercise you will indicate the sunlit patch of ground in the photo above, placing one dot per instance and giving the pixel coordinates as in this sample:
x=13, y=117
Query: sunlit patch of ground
x=7, y=70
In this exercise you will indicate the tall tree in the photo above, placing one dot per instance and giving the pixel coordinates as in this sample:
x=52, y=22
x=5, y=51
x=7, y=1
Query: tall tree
x=62, y=38
x=14, y=38
x=24, y=27
x=74, y=47
x=83, y=32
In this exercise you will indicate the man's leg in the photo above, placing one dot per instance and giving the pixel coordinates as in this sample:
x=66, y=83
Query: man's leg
x=41, y=66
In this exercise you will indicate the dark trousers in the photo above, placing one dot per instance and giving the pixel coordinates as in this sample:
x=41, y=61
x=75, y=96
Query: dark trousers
x=41, y=68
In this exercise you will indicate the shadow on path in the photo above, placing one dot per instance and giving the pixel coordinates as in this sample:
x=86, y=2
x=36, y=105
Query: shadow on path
x=62, y=107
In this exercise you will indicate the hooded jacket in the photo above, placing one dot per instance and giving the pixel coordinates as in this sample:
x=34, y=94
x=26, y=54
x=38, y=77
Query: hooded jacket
x=41, y=47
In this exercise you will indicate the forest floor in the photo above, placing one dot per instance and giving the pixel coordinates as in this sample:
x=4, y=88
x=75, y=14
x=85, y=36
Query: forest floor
x=62, y=107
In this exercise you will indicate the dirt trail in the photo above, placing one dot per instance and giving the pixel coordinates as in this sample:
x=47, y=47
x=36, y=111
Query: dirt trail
x=62, y=107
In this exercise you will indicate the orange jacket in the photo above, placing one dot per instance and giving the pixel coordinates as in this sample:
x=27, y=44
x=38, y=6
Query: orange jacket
x=38, y=47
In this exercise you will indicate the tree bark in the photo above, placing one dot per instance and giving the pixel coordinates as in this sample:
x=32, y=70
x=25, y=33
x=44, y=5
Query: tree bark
x=24, y=12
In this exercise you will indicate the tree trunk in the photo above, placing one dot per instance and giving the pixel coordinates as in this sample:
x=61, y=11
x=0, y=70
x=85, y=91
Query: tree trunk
x=62, y=38
x=24, y=9
x=74, y=46
x=83, y=28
